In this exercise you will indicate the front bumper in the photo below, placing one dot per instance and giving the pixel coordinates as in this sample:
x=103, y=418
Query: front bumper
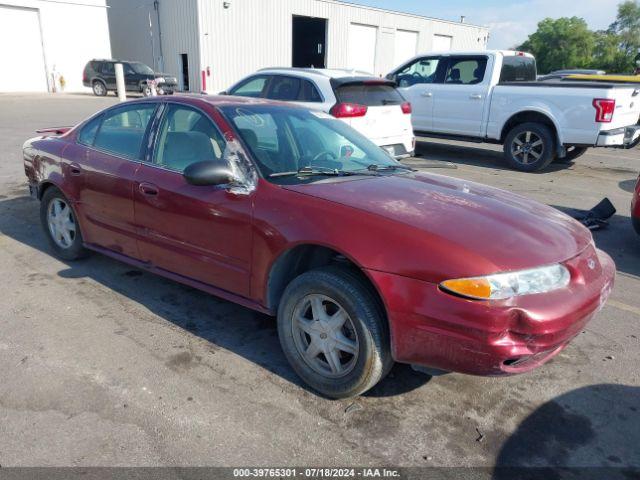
x=438, y=330
x=625, y=137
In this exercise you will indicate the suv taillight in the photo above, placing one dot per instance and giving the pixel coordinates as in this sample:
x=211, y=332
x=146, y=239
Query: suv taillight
x=605, y=107
x=406, y=108
x=348, y=110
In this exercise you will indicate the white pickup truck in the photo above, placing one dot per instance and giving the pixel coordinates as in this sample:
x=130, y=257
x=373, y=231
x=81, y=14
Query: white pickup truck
x=493, y=96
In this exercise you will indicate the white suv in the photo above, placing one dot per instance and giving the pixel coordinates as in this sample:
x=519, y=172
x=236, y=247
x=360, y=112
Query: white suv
x=371, y=105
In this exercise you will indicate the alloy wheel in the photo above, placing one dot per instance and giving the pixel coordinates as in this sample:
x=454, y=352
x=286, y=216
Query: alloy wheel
x=62, y=224
x=324, y=335
x=98, y=88
x=527, y=147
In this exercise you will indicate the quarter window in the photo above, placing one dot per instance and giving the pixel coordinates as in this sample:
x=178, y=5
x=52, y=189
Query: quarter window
x=252, y=87
x=123, y=130
x=187, y=136
x=310, y=93
x=88, y=132
x=466, y=71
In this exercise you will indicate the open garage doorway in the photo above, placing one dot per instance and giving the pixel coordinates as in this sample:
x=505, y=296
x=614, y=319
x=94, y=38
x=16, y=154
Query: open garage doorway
x=309, y=42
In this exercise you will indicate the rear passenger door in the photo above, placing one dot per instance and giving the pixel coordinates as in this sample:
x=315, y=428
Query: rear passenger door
x=459, y=102
x=114, y=145
x=108, y=74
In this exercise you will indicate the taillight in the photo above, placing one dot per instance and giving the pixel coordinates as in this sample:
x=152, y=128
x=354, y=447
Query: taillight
x=605, y=107
x=406, y=108
x=348, y=110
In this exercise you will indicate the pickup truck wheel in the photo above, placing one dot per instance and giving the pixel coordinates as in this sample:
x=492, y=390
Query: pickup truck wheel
x=572, y=153
x=99, y=88
x=60, y=224
x=529, y=147
x=334, y=333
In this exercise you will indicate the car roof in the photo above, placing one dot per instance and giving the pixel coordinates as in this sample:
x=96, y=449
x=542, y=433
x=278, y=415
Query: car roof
x=329, y=73
x=215, y=100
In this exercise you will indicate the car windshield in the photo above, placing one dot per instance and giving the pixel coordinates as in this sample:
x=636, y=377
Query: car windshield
x=141, y=68
x=292, y=143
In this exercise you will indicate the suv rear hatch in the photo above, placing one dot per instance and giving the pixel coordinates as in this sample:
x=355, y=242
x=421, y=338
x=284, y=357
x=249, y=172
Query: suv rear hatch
x=374, y=107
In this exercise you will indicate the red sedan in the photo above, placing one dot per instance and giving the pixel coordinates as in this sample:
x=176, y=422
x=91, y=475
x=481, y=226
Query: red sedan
x=292, y=213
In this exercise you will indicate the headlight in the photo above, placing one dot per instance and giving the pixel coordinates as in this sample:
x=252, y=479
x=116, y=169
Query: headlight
x=512, y=284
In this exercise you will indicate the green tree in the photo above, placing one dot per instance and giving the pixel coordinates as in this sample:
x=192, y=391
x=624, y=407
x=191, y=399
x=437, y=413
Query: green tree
x=627, y=29
x=561, y=43
x=607, y=54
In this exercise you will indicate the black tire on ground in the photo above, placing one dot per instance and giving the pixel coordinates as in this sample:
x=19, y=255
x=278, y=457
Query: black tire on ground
x=572, y=153
x=75, y=249
x=636, y=224
x=366, y=327
x=529, y=147
x=99, y=88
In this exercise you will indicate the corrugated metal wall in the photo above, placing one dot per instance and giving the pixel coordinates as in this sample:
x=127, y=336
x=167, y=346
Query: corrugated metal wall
x=72, y=33
x=252, y=34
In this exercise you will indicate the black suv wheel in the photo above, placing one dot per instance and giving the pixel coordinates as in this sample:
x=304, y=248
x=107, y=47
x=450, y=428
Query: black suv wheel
x=99, y=88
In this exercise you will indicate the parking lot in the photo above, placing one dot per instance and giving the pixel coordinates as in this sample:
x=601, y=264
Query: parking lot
x=106, y=365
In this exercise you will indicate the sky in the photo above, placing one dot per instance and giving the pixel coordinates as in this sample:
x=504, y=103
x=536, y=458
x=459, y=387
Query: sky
x=510, y=21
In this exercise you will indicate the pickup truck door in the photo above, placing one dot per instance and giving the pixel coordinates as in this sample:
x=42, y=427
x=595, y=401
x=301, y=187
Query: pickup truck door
x=459, y=102
x=416, y=82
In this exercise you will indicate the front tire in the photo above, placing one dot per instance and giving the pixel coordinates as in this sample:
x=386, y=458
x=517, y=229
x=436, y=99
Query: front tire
x=60, y=224
x=334, y=333
x=529, y=147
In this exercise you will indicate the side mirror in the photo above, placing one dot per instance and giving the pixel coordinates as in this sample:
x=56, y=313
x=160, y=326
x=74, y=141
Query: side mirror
x=392, y=77
x=224, y=92
x=208, y=173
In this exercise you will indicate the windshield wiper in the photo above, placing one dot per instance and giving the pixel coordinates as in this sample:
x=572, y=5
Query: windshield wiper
x=380, y=168
x=309, y=171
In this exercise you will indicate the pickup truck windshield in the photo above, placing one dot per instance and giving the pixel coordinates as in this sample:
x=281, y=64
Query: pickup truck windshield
x=517, y=68
x=285, y=139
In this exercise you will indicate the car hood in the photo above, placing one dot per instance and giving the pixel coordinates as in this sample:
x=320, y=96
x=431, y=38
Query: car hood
x=490, y=229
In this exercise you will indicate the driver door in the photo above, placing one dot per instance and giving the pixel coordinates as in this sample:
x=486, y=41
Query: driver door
x=415, y=83
x=198, y=232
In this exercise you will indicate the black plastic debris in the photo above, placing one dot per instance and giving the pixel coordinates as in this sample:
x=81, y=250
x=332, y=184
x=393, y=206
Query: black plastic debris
x=596, y=218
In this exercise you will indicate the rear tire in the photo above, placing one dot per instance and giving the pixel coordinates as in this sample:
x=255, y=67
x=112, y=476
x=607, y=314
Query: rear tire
x=572, y=153
x=333, y=332
x=61, y=226
x=636, y=224
x=99, y=88
x=529, y=147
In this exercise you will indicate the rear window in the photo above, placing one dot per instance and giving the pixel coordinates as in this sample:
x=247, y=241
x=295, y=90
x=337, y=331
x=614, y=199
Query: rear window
x=371, y=95
x=518, y=69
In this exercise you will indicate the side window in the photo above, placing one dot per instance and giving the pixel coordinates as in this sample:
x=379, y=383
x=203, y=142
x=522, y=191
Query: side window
x=108, y=69
x=309, y=93
x=88, y=132
x=122, y=130
x=466, y=71
x=283, y=88
x=423, y=70
x=128, y=69
x=187, y=136
x=252, y=87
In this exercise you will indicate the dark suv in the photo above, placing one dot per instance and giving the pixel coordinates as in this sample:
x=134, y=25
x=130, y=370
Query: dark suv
x=100, y=75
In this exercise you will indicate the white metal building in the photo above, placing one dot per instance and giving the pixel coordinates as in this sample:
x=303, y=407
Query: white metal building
x=220, y=41
x=45, y=44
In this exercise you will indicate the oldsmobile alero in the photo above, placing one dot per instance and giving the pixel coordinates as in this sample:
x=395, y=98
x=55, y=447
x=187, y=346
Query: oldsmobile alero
x=293, y=213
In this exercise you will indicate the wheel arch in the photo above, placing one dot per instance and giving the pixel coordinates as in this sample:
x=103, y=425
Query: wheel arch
x=303, y=257
x=531, y=116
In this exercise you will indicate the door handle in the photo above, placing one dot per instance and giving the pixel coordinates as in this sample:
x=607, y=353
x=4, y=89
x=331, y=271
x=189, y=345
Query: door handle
x=148, y=189
x=475, y=96
x=75, y=169
x=427, y=94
